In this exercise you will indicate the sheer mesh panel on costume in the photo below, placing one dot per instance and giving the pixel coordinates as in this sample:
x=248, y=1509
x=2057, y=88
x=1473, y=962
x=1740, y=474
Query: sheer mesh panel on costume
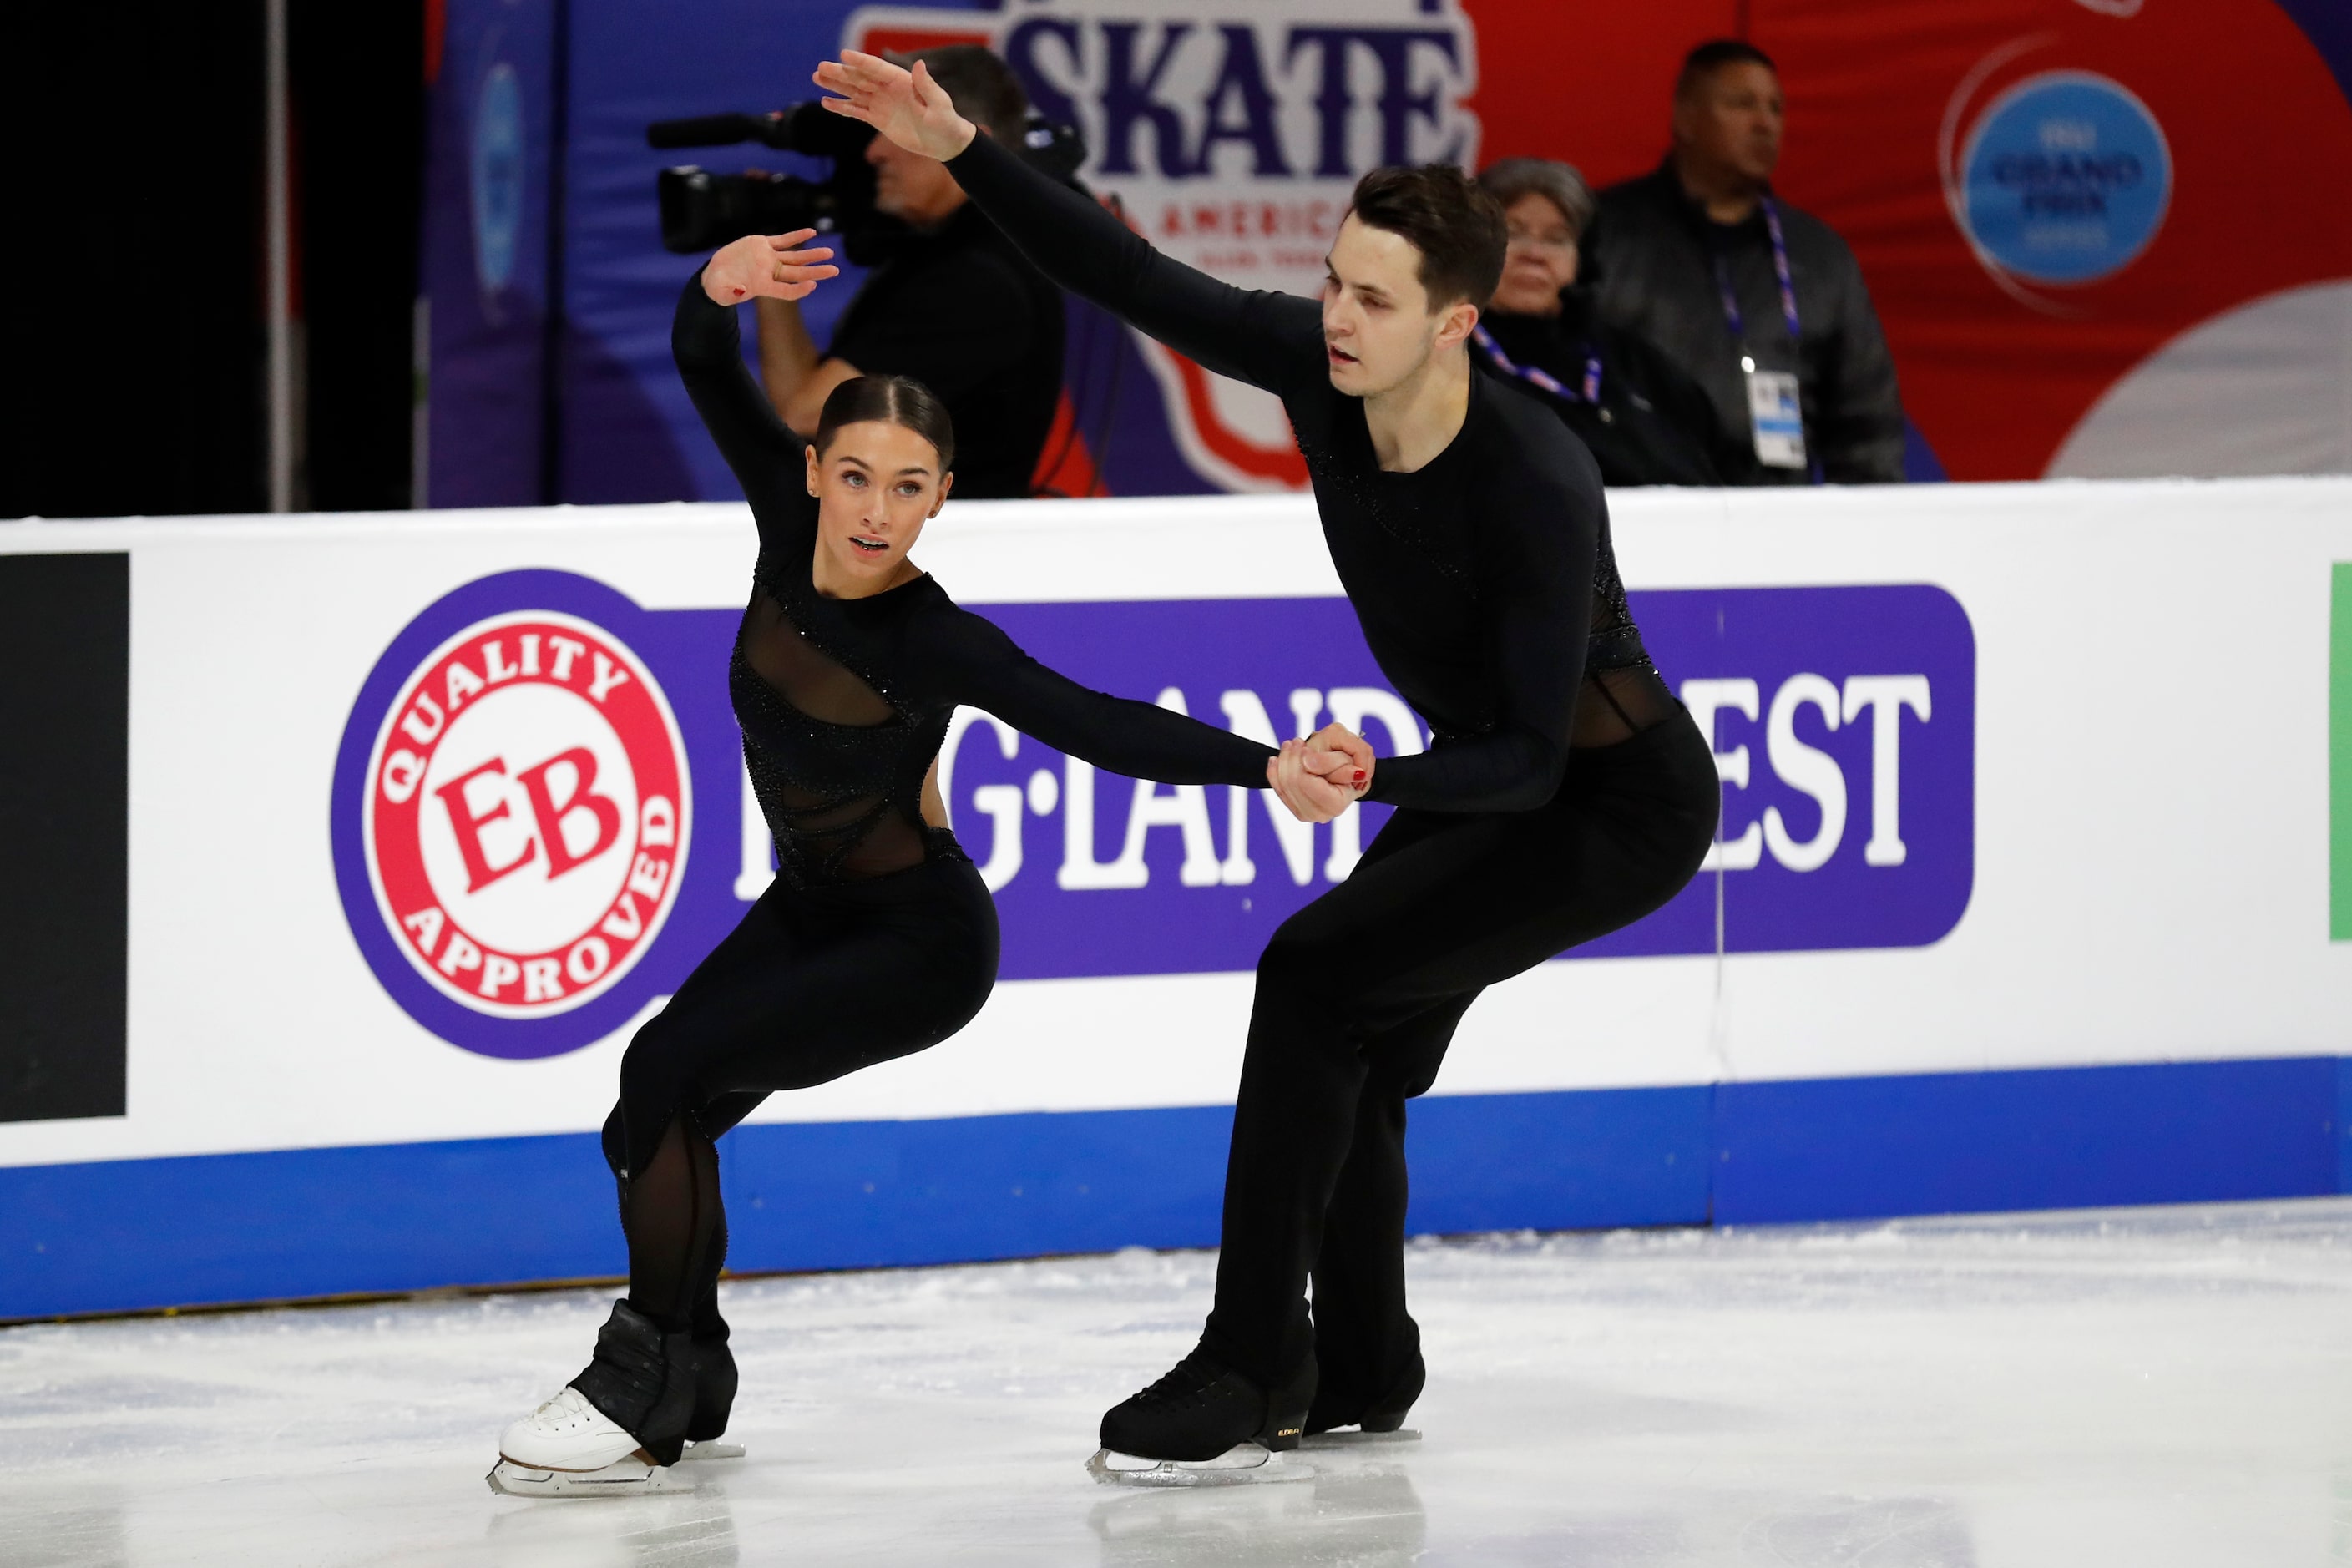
x=671, y=1215
x=817, y=684
x=856, y=835
x=1622, y=695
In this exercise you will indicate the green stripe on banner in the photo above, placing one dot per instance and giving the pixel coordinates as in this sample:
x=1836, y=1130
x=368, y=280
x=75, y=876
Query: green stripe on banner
x=2339, y=756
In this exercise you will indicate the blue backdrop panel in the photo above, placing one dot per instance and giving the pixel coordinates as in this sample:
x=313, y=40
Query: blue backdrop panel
x=241, y=1227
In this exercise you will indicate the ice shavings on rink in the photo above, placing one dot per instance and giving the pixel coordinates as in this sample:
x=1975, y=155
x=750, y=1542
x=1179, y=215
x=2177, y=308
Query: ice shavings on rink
x=2148, y=1387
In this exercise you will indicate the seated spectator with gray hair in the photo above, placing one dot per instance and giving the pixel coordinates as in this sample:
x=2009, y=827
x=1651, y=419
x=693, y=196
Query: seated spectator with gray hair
x=1646, y=421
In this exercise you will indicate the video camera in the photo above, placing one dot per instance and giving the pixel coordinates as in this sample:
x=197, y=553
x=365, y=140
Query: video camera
x=701, y=210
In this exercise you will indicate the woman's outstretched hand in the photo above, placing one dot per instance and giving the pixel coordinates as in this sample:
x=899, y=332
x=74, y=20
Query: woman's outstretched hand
x=1320, y=777
x=767, y=264
x=907, y=106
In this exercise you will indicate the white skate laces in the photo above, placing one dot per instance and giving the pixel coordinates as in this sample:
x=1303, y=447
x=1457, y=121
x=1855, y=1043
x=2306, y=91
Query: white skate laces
x=567, y=1433
x=568, y=1447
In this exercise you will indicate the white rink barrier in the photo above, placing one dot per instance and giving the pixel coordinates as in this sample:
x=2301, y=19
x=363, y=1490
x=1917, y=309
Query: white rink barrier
x=2023, y=895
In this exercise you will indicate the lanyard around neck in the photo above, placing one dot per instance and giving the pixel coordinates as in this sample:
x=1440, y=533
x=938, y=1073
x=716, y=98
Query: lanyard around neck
x=1535, y=375
x=1731, y=316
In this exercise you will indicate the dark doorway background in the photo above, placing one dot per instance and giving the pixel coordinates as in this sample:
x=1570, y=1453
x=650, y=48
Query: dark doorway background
x=65, y=823
x=132, y=346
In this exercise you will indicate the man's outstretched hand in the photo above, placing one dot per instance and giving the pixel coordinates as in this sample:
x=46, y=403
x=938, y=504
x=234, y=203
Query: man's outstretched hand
x=768, y=265
x=907, y=106
x=1321, y=777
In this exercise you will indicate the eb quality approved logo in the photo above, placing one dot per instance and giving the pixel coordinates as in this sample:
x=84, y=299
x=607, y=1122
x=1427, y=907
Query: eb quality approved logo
x=512, y=819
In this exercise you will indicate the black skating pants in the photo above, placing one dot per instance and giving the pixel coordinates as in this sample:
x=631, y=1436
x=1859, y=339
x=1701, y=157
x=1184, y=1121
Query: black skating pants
x=814, y=984
x=1358, y=997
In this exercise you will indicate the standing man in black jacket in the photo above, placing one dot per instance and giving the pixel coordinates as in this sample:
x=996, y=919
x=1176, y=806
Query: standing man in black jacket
x=954, y=306
x=1761, y=303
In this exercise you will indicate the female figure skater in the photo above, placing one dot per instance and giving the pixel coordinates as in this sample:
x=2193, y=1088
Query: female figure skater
x=1566, y=793
x=877, y=940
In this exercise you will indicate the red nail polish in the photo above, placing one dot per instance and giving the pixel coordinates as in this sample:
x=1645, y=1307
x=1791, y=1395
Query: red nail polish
x=1360, y=775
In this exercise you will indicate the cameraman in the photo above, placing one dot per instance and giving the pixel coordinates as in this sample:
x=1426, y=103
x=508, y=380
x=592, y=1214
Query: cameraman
x=954, y=305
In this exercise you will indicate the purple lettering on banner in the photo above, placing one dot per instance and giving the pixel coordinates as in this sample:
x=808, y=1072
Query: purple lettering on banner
x=1130, y=98
x=1843, y=721
x=1117, y=878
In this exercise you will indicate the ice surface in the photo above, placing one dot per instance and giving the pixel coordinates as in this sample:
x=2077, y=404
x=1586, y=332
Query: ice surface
x=2146, y=1387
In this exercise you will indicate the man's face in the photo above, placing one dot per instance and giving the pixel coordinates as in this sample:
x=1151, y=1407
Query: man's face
x=910, y=186
x=1377, y=328
x=1730, y=119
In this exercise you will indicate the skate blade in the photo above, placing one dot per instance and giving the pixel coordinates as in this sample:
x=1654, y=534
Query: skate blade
x=1244, y=1464
x=713, y=1450
x=1313, y=1440
x=624, y=1477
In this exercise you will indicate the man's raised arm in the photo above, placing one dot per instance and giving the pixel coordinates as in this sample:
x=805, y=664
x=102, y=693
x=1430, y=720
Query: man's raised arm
x=1264, y=339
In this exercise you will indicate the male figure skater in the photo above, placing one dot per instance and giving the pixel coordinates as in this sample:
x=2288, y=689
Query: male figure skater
x=1566, y=793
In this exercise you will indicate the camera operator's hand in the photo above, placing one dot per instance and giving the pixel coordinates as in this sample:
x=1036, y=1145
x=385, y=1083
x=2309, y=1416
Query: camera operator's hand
x=908, y=107
x=767, y=265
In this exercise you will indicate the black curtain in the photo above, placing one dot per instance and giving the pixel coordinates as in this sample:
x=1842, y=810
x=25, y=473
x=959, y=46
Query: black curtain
x=132, y=347
x=131, y=378
x=358, y=75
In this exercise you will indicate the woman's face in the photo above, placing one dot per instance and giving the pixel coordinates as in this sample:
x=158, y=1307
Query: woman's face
x=1542, y=260
x=876, y=486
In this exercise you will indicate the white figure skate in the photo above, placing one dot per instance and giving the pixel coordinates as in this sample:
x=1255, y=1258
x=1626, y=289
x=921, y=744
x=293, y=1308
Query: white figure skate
x=568, y=1447
x=1243, y=1463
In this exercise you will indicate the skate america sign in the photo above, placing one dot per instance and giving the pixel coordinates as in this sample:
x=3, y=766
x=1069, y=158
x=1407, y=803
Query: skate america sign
x=541, y=821
x=1232, y=137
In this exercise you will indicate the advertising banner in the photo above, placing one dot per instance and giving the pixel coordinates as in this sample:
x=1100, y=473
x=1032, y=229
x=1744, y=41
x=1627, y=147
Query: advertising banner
x=2088, y=252
x=2021, y=895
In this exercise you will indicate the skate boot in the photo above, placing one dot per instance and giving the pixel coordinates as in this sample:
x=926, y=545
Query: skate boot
x=1381, y=1421
x=714, y=1392
x=1204, y=1425
x=619, y=1426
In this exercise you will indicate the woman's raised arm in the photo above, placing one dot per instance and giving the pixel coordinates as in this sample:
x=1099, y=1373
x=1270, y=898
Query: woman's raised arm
x=705, y=340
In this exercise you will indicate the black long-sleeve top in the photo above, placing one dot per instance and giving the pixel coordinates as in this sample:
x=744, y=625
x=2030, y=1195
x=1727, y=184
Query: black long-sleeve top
x=1655, y=251
x=844, y=702
x=1483, y=580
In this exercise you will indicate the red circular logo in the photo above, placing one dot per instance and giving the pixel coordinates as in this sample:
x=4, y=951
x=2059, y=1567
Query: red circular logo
x=527, y=821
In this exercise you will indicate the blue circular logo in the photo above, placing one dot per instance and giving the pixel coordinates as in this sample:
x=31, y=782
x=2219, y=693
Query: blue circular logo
x=2067, y=178
x=497, y=170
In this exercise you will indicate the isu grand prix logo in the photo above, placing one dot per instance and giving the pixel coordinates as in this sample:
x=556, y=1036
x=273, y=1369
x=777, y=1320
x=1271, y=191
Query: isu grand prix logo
x=520, y=823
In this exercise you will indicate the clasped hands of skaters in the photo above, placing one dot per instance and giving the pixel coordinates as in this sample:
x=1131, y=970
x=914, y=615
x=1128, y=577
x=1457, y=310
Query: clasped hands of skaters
x=1319, y=777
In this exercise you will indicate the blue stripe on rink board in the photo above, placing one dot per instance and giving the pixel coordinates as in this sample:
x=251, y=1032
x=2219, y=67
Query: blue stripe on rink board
x=2344, y=1124
x=2055, y=1138
x=232, y=1227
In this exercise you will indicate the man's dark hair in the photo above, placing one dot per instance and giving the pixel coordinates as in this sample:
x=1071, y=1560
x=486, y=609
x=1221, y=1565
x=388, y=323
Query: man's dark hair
x=1713, y=55
x=900, y=400
x=986, y=91
x=1455, y=222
